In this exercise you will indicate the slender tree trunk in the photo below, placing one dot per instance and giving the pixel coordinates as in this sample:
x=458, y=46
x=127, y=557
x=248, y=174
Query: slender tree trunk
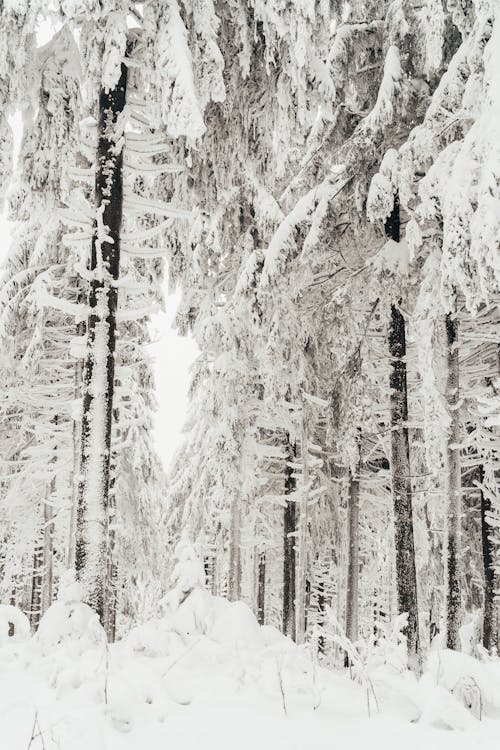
x=218, y=580
x=261, y=589
x=454, y=489
x=488, y=566
x=289, y=529
x=352, y=600
x=234, y=581
x=48, y=535
x=78, y=377
x=321, y=615
x=99, y=367
x=37, y=585
x=406, y=576
x=42, y=580
x=301, y=583
x=48, y=552
x=111, y=593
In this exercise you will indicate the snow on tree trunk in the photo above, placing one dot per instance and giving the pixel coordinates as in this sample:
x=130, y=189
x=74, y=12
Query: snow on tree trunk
x=454, y=489
x=489, y=640
x=261, y=588
x=406, y=576
x=234, y=576
x=42, y=578
x=301, y=583
x=351, y=611
x=76, y=448
x=98, y=376
x=48, y=551
x=36, y=586
x=289, y=543
x=110, y=597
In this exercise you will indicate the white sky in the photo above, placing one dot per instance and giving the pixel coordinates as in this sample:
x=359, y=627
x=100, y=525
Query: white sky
x=173, y=356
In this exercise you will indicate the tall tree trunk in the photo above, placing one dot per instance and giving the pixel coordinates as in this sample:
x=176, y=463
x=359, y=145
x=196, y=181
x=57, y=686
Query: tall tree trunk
x=234, y=580
x=99, y=367
x=488, y=566
x=218, y=562
x=454, y=489
x=321, y=615
x=301, y=582
x=261, y=588
x=48, y=535
x=289, y=529
x=76, y=434
x=406, y=576
x=111, y=593
x=37, y=585
x=352, y=593
x=42, y=579
x=48, y=551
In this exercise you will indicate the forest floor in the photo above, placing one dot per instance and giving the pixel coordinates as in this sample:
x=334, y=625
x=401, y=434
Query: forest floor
x=209, y=677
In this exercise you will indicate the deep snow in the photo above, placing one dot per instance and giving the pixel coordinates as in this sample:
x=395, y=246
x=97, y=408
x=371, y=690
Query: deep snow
x=206, y=675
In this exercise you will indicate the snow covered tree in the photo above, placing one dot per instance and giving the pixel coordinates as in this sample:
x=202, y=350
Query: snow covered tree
x=36, y=355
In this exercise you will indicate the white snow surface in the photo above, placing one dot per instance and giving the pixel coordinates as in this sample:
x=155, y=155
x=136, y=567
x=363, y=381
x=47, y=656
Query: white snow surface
x=206, y=675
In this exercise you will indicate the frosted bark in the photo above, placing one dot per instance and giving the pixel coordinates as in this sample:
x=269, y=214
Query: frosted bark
x=36, y=586
x=48, y=552
x=261, y=588
x=454, y=489
x=488, y=547
x=234, y=578
x=301, y=583
x=352, y=598
x=289, y=520
x=42, y=577
x=110, y=594
x=98, y=377
x=406, y=576
x=78, y=377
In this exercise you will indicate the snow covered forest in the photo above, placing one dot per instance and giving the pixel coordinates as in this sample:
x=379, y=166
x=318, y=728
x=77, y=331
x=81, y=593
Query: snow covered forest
x=320, y=179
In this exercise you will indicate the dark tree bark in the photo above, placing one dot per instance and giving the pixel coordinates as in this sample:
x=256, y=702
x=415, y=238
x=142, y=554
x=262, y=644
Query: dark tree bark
x=42, y=577
x=289, y=529
x=489, y=640
x=261, y=588
x=352, y=593
x=111, y=591
x=78, y=380
x=454, y=490
x=406, y=576
x=94, y=507
x=234, y=573
x=36, y=585
x=321, y=617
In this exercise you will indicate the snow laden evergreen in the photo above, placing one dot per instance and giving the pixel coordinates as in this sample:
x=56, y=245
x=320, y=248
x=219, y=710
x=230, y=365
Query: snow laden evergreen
x=37, y=409
x=337, y=302
x=321, y=182
x=46, y=322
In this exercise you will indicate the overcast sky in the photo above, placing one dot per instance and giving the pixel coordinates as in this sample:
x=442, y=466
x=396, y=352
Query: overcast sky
x=173, y=356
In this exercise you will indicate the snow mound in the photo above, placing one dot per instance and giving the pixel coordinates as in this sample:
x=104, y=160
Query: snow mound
x=205, y=674
x=13, y=624
x=475, y=684
x=69, y=621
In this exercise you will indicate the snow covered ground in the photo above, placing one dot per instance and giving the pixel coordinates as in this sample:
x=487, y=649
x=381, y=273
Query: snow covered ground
x=206, y=675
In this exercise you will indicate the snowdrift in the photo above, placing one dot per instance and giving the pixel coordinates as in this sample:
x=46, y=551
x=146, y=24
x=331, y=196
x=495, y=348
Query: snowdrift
x=206, y=675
